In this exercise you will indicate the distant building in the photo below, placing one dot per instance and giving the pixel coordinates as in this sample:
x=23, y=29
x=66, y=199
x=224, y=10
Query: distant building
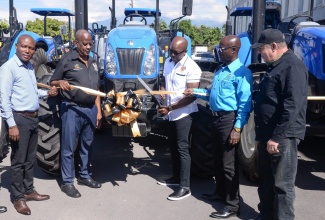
x=290, y=9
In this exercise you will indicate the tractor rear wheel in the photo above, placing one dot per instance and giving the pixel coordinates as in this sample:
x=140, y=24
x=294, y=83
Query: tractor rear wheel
x=49, y=147
x=3, y=136
x=247, y=151
x=39, y=61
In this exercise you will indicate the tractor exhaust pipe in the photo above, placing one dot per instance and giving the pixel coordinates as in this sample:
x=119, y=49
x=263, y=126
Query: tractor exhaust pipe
x=258, y=24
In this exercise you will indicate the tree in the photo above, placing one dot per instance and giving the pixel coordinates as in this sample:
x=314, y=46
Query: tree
x=4, y=25
x=52, y=27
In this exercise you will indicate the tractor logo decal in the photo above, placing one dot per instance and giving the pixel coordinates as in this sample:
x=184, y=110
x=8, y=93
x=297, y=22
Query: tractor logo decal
x=130, y=42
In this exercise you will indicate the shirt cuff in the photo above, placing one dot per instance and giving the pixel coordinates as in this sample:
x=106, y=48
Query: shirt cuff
x=11, y=122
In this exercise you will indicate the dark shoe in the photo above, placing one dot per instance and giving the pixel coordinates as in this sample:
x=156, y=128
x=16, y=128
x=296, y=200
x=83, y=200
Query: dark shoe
x=212, y=197
x=70, y=190
x=89, y=182
x=169, y=182
x=3, y=209
x=36, y=197
x=21, y=207
x=179, y=194
x=224, y=213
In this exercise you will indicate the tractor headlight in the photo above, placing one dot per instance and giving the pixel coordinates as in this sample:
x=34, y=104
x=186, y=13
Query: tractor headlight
x=110, y=67
x=150, y=62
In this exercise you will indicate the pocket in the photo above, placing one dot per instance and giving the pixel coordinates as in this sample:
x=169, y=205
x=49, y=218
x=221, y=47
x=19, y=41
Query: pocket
x=227, y=87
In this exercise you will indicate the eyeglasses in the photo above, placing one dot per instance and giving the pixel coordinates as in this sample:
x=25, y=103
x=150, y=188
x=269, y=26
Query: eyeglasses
x=221, y=50
x=175, y=52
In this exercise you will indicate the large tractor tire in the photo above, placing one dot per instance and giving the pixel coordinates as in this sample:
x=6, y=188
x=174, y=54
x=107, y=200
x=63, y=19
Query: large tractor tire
x=39, y=61
x=247, y=151
x=201, y=145
x=49, y=147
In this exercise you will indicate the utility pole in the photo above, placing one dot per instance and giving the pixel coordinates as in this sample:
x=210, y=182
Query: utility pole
x=131, y=4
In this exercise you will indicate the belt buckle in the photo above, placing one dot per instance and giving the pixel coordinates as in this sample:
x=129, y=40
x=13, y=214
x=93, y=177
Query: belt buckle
x=35, y=114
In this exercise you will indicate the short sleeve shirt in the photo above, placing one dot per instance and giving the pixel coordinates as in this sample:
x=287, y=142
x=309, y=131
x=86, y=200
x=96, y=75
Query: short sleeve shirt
x=177, y=76
x=72, y=69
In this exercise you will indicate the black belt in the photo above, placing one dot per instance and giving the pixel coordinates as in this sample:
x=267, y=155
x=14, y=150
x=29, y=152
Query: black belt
x=220, y=113
x=27, y=113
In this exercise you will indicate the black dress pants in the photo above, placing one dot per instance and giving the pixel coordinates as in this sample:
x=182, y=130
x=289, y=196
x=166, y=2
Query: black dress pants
x=23, y=156
x=178, y=139
x=226, y=161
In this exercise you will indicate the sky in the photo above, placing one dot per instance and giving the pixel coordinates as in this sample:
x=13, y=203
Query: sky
x=210, y=13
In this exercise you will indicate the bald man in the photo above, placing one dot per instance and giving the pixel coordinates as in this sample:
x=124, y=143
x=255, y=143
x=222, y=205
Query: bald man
x=230, y=102
x=180, y=73
x=19, y=108
x=80, y=112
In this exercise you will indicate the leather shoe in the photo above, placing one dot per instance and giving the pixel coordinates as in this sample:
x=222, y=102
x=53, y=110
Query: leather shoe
x=212, y=197
x=34, y=196
x=3, y=209
x=89, y=182
x=224, y=213
x=21, y=207
x=70, y=190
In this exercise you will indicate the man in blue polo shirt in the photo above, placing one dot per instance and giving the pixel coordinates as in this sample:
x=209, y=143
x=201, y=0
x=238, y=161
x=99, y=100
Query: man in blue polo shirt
x=230, y=101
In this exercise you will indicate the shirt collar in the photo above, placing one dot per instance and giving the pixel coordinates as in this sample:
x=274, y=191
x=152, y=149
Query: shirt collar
x=75, y=55
x=232, y=66
x=20, y=63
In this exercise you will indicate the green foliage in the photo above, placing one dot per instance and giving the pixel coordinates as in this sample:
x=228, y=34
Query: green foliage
x=202, y=35
x=4, y=24
x=52, y=27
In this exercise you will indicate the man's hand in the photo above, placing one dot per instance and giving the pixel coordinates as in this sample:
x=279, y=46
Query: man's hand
x=14, y=133
x=272, y=147
x=53, y=91
x=234, y=137
x=64, y=85
x=99, y=119
x=188, y=92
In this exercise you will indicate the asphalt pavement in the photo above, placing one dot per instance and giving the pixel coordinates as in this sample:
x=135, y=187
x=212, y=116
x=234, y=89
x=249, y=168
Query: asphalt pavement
x=128, y=170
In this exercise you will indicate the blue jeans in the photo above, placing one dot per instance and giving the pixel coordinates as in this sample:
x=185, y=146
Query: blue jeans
x=77, y=124
x=277, y=175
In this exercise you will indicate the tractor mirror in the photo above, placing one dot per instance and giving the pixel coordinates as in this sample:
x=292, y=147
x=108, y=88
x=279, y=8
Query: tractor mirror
x=187, y=7
x=63, y=29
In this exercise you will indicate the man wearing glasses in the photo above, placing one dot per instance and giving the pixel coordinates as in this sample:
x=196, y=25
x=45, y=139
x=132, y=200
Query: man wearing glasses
x=230, y=102
x=180, y=73
x=80, y=112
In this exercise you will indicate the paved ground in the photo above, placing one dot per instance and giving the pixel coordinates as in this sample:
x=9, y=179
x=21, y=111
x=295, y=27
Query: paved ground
x=128, y=170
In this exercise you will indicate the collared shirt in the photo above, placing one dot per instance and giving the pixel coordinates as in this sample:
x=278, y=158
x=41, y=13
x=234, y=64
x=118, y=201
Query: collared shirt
x=177, y=76
x=281, y=101
x=18, y=89
x=72, y=69
x=231, y=90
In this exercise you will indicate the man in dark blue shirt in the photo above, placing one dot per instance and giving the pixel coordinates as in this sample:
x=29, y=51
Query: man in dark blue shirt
x=80, y=112
x=230, y=101
x=280, y=118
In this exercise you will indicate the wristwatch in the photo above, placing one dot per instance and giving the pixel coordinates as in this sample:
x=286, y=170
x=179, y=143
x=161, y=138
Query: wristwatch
x=170, y=108
x=237, y=129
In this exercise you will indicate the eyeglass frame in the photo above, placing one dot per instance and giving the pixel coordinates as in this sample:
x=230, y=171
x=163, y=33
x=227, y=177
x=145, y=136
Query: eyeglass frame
x=171, y=51
x=221, y=50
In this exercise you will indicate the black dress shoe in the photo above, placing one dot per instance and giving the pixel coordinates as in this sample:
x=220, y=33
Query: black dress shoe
x=89, y=182
x=212, y=197
x=224, y=213
x=70, y=190
x=3, y=209
x=179, y=194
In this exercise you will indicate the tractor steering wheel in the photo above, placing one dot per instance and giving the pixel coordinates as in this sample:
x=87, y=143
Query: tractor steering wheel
x=135, y=15
x=294, y=24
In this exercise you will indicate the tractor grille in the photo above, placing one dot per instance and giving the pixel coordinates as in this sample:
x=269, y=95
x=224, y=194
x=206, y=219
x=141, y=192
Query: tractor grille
x=130, y=60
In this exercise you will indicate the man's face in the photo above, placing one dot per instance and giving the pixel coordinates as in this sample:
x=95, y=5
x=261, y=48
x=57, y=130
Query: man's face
x=176, y=52
x=25, y=49
x=84, y=45
x=225, y=51
x=266, y=53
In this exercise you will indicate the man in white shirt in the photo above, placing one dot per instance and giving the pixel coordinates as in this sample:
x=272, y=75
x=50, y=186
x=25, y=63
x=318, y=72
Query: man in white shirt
x=180, y=73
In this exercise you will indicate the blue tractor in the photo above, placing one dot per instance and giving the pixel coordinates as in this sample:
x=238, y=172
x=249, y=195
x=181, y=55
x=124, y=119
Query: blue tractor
x=134, y=49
